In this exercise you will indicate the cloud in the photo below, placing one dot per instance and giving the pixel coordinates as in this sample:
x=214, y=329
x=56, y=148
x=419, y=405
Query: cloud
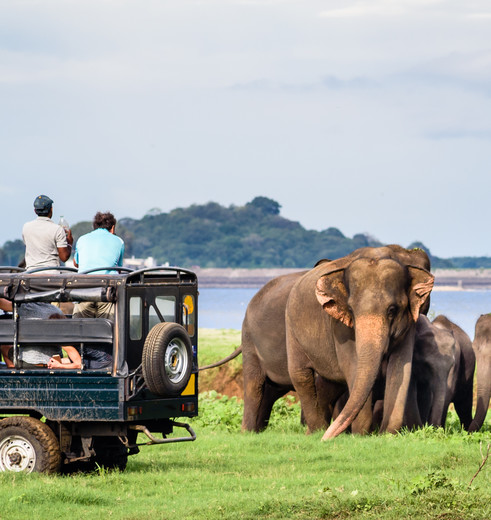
x=460, y=133
x=328, y=82
x=335, y=83
x=380, y=8
x=463, y=70
x=480, y=16
x=6, y=190
x=403, y=8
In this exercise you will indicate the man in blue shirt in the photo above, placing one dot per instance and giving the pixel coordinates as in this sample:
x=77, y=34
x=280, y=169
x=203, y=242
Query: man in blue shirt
x=99, y=248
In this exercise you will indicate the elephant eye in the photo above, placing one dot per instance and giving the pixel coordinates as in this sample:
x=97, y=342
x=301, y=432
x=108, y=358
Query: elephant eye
x=392, y=311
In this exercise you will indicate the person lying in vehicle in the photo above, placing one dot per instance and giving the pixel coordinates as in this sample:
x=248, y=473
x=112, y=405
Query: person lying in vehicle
x=43, y=357
x=6, y=307
x=94, y=357
x=40, y=357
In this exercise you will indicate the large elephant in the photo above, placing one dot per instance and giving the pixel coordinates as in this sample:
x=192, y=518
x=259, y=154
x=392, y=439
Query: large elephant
x=482, y=349
x=363, y=328
x=265, y=361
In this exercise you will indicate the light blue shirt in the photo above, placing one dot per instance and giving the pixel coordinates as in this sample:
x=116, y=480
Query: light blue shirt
x=99, y=248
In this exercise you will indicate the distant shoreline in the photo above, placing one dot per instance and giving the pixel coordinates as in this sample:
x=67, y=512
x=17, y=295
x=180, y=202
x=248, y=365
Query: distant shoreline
x=445, y=279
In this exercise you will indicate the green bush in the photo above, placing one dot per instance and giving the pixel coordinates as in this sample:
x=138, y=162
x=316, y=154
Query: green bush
x=223, y=413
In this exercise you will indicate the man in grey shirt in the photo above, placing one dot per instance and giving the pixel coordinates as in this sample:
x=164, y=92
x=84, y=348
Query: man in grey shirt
x=47, y=245
x=46, y=242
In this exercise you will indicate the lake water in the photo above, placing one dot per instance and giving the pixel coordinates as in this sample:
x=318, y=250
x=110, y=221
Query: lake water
x=225, y=308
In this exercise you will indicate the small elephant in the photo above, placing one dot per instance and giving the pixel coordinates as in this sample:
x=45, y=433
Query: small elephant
x=461, y=384
x=482, y=349
x=434, y=359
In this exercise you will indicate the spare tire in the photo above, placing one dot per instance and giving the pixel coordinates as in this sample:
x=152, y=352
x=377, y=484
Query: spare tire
x=167, y=359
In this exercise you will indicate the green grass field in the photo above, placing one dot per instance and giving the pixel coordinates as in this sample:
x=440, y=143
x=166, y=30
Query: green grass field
x=281, y=473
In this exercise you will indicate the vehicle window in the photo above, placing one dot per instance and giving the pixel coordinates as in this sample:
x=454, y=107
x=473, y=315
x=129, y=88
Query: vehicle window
x=188, y=313
x=163, y=310
x=136, y=321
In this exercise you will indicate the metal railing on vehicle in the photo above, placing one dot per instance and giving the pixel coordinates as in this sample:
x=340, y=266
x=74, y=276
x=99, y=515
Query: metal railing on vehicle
x=166, y=269
x=11, y=269
x=51, y=268
x=113, y=268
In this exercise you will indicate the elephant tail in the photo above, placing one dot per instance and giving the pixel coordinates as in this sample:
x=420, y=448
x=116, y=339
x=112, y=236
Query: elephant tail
x=234, y=354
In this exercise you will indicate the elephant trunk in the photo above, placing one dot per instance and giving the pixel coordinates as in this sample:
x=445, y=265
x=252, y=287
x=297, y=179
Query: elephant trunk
x=483, y=377
x=372, y=339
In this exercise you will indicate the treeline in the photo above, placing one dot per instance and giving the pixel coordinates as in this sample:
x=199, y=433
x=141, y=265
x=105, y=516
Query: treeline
x=250, y=236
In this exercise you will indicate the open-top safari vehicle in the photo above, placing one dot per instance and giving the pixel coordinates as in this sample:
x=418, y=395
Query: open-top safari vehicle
x=77, y=418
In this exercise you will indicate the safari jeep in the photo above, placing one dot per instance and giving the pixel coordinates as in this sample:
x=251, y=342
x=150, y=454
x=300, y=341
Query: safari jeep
x=64, y=419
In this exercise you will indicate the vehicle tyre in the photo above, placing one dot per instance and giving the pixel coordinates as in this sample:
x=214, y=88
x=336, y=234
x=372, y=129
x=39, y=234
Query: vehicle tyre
x=110, y=453
x=167, y=359
x=27, y=444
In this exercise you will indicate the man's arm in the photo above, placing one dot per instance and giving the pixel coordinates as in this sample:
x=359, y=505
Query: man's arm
x=5, y=305
x=121, y=254
x=65, y=252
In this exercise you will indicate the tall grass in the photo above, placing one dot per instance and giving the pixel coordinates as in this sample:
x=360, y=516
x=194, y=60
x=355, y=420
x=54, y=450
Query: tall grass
x=280, y=473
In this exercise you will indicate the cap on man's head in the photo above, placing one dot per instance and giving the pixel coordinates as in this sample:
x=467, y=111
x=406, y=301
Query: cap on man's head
x=42, y=204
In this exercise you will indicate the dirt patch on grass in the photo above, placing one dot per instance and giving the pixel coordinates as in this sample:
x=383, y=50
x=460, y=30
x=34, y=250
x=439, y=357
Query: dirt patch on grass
x=226, y=380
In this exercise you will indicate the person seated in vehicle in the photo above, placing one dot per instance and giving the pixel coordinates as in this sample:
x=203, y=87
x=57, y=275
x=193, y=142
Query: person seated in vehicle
x=99, y=248
x=47, y=243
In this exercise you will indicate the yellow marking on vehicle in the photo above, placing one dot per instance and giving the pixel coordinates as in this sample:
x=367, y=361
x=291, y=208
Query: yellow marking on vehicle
x=189, y=390
x=189, y=303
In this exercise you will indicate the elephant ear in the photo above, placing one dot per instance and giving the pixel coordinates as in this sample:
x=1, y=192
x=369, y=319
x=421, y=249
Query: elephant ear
x=332, y=295
x=420, y=289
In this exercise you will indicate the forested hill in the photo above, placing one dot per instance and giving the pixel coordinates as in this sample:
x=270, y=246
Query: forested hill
x=250, y=236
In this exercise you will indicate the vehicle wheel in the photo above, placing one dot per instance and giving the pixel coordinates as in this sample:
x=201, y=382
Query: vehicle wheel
x=167, y=359
x=27, y=444
x=111, y=453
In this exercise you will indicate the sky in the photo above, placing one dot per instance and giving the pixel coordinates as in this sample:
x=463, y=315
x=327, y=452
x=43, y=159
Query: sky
x=368, y=116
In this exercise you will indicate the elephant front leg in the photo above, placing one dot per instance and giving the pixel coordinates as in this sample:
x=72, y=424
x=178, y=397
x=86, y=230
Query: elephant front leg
x=303, y=380
x=329, y=395
x=363, y=422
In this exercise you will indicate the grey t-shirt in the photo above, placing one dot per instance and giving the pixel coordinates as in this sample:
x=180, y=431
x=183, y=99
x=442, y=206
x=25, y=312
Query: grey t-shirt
x=42, y=238
x=38, y=355
x=38, y=310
